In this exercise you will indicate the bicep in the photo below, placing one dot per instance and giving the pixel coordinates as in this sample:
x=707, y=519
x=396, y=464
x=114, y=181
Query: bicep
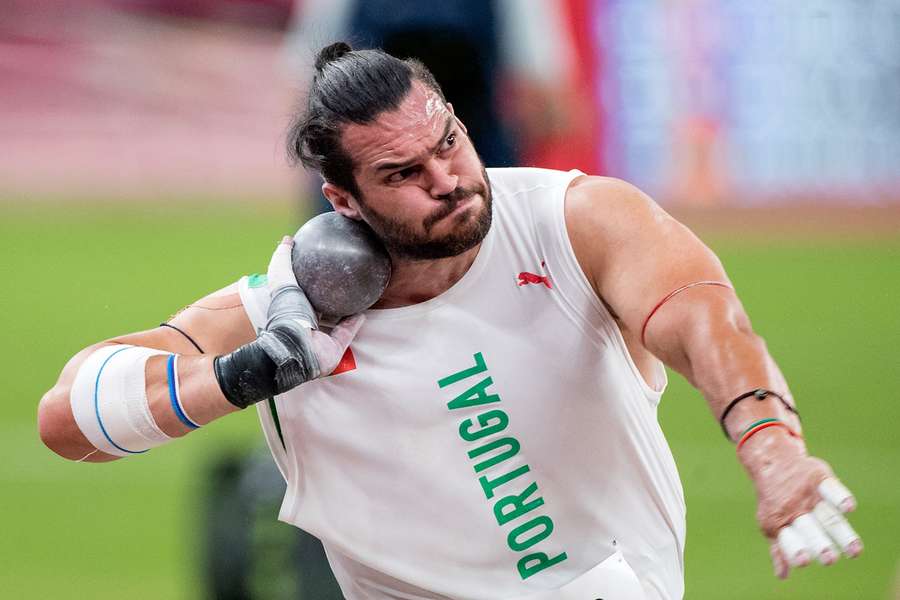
x=635, y=254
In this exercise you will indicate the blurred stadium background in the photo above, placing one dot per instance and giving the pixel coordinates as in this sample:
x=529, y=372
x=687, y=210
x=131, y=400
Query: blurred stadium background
x=141, y=166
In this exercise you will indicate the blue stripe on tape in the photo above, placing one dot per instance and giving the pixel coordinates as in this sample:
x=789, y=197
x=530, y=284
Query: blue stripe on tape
x=173, y=394
x=97, y=404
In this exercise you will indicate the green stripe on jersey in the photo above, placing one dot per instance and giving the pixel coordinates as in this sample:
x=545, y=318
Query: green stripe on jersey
x=277, y=421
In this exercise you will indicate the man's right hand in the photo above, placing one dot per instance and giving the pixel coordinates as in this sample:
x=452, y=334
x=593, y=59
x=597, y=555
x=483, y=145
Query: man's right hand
x=290, y=350
x=327, y=349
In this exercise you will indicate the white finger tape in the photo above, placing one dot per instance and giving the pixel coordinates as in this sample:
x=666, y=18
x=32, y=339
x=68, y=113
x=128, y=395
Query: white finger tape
x=815, y=538
x=835, y=525
x=281, y=272
x=835, y=492
x=792, y=546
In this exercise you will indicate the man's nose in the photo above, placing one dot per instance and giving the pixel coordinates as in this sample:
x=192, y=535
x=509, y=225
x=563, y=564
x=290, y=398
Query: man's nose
x=442, y=182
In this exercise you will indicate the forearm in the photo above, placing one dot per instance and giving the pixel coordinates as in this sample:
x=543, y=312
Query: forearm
x=712, y=343
x=199, y=394
x=198, y=391
x=215, y=325
x=134, y=393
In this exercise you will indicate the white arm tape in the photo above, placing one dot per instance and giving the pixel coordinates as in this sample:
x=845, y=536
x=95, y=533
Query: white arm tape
x=109, y=401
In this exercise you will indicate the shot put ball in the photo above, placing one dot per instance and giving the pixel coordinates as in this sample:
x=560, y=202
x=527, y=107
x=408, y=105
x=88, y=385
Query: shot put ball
x=340, y=264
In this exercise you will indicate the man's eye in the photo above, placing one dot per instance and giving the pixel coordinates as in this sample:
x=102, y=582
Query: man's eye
x=399, y=176
x=450, y=141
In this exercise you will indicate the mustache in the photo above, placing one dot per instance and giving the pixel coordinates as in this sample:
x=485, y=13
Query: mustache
x=451, y=201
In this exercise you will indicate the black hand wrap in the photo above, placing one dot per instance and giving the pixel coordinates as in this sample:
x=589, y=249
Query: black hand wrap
x=280, y=359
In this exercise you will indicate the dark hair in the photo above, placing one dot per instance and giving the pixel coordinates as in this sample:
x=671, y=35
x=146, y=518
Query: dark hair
x=349, y=86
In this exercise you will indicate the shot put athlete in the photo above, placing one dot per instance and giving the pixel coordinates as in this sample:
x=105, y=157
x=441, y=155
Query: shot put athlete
x=488, y=429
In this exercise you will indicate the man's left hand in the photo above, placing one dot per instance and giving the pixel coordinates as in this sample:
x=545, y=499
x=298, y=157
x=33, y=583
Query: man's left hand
x=801, y=504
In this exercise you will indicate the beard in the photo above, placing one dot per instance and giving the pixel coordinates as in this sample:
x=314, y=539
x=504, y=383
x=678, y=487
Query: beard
x=404, y=241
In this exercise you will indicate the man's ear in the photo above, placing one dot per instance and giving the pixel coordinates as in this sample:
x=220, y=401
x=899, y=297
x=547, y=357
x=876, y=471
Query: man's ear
x=342, y=201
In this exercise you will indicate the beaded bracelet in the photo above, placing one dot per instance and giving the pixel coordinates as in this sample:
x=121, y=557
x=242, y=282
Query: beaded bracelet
x=764, y=424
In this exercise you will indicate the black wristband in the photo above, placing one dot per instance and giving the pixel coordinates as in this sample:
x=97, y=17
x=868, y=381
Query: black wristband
x=246, y=376
x=760, y=394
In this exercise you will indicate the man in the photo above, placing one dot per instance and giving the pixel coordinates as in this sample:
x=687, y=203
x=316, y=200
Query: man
x=491, y=432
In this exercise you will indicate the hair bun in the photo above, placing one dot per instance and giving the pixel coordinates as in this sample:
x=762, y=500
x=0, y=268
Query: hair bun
x=331, y=53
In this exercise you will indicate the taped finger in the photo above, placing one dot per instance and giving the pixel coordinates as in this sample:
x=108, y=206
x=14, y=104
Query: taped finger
x=779, y=562
x=793, y=548
x=815, y=538
x=281, y=271
x=835, y=492
x=838, y=528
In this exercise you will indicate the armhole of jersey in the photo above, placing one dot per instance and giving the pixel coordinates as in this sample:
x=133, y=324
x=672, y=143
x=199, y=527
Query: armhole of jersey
x=560, y=248
x=254, y=298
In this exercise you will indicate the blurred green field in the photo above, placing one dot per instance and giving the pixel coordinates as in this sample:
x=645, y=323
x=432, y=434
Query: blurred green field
x=74, y=274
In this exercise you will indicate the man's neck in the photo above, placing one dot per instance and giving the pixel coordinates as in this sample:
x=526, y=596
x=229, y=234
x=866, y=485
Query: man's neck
x=415, y=281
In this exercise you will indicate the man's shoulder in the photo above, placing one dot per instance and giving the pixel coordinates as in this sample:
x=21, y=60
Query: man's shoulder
x=610, y=204
x=610, y=187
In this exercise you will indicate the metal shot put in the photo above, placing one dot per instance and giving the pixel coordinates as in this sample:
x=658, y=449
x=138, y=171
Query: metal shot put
x=340, y=264
x=487, y=428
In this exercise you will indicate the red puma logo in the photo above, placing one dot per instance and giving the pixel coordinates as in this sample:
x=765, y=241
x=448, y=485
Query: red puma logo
x=525, y=278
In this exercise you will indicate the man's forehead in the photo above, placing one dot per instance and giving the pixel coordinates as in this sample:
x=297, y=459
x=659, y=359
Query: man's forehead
x=419, y=119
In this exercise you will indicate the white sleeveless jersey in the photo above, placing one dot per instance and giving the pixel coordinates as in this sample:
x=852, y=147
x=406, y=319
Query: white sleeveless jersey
x=494, y=442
